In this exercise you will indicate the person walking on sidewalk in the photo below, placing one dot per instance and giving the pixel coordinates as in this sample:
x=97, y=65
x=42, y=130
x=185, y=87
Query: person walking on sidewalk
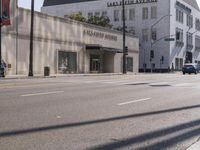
x=3, y=67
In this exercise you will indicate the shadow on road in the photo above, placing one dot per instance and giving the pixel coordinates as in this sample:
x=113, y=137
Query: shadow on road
x=156, y=135
x=132, y=140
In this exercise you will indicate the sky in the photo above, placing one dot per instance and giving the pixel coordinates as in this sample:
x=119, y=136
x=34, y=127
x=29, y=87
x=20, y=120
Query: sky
x=27, y=4
x=38, y=4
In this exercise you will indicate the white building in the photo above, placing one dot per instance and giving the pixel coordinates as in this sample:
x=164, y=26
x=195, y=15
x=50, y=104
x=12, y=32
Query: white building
x=63, y=45
x=169, y=30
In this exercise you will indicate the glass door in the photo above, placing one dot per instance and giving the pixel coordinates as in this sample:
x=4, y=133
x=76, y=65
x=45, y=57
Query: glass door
x=95, y=63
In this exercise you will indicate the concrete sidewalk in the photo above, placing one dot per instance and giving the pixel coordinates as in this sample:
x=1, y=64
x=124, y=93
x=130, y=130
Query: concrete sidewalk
x=79, y=75
x=61, y=75
x=195, y=146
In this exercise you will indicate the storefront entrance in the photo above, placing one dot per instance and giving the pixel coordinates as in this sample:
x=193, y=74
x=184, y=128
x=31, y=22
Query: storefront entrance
x=102, y=59
x=95, y=63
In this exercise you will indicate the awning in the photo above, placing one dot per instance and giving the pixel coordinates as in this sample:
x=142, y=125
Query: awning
x=100, y=47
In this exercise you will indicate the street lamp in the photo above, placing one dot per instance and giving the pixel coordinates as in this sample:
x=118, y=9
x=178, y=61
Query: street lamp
x=31, y=41
x=152, y=52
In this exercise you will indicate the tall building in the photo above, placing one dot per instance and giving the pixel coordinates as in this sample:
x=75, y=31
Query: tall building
x=169, y=30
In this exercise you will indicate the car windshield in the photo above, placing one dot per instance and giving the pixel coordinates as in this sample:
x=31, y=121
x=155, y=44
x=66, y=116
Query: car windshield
x=188, y=66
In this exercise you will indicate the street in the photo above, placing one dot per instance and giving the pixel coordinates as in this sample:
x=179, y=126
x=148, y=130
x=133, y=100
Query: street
x=126, y=112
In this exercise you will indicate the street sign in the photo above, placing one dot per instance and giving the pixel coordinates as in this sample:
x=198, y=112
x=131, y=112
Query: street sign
x=170, y=39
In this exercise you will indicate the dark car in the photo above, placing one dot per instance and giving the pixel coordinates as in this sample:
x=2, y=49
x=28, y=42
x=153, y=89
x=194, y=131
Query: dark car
x=191, y=68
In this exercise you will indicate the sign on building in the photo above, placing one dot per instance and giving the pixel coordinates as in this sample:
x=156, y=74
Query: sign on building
x=5, y=12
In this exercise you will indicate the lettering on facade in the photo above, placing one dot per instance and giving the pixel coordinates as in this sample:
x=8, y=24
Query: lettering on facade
x=129, y=2
x=183, y=7
x=98, y=34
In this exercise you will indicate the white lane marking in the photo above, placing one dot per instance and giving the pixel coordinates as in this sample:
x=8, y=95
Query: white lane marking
x=58, y=117
x=182, y=84
x=134, y=101
x=38, y=94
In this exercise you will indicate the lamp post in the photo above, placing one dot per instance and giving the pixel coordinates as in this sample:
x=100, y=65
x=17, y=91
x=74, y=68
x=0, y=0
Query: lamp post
x=31, y=41
x=0, y=31
x=124, y=38
x=152, y=51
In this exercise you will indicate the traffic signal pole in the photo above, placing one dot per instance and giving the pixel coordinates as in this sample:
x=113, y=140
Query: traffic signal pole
x=31, y=41
x=124, y=38
x=0, y=30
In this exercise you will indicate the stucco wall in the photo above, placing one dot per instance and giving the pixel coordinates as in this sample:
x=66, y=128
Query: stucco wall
x=52, y=34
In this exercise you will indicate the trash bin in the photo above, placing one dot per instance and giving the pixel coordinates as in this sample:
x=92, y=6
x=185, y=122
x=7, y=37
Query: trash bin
x=46, y=71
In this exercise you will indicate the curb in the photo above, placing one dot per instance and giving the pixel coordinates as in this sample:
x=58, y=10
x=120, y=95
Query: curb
x=10, y=77
x=195, y=146
x=59, y=76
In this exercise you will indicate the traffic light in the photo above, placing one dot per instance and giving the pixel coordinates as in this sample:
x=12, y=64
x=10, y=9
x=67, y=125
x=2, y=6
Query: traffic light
x=152, y=54
x=162, y=59
x=126, y=50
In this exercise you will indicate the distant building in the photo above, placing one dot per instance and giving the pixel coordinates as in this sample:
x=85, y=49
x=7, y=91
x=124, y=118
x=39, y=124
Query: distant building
x=64, y=45
x=169, y=30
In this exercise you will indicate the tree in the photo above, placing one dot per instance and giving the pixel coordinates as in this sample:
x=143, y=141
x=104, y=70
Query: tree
x=78, y=17
x=103, y=21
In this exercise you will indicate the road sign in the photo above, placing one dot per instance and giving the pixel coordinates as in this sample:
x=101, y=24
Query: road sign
x=170, y=39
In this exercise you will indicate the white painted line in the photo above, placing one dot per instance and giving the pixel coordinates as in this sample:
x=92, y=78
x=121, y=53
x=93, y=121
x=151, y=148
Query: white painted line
x=134, y=101
x=38, y=94
x=58, y=117
x=182, y=84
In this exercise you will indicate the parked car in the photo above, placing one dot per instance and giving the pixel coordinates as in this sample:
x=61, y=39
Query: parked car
x=191, y=68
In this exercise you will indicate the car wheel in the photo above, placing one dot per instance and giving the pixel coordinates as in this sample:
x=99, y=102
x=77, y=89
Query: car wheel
x=183, y=73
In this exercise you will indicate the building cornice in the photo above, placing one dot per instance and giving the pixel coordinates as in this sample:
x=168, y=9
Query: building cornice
x=61, y=2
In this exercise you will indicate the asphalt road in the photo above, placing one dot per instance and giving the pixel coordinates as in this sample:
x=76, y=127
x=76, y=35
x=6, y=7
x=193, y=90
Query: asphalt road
x=131, y=112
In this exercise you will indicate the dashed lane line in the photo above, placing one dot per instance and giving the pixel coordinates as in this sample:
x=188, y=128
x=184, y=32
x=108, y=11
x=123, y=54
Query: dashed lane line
x=39, y=94
x=134, y=101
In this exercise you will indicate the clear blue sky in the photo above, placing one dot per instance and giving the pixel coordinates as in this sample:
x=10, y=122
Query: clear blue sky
x=38, y=3
x=27, y=4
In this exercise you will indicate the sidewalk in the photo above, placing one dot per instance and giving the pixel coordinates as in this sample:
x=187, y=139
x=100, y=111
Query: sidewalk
x=60, y=75
x=80, y=75
x=195, y=146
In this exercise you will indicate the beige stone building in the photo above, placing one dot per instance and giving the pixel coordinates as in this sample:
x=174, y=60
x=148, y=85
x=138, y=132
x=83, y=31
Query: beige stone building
x=63, y=45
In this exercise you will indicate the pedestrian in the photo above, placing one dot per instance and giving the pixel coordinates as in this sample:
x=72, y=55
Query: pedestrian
x=3, y=67
x=172, y=67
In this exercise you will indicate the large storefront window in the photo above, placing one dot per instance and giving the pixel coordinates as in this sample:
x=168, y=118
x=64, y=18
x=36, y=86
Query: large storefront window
x=67, y=62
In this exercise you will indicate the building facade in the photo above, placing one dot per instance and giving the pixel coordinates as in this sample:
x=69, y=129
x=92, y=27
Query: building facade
x=169, y=30
x=63, y=45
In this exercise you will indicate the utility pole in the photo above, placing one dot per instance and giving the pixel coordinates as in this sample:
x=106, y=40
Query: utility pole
x=31, y=41
x=0, y=30
x=124, y=38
